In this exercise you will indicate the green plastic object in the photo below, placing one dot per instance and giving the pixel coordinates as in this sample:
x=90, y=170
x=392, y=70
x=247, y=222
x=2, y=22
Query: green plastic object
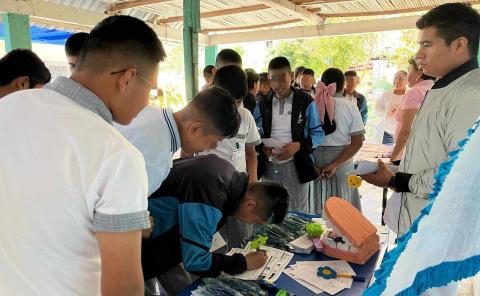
x=261, y=240
x=282, y=292
x=314, y=229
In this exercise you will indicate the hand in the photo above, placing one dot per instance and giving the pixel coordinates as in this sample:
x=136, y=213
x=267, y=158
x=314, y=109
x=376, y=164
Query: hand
x=379, y=178
x=328, y=171
x=147, y=232
x=288, y=150
x=255, y=260
x=267, y=151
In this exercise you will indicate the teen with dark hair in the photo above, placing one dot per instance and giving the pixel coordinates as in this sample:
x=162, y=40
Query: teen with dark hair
x=296, y=76
x=448, y=39
x=343, y=139
x=350, y=93
x=22, y=69
x=73, y=45
x=264, y=88
x=192, y=205
x=419, y=84
x=307, y=81
x=239, y=150
x=253, y=86
x=209, y=118
x=289, y=117
x=71, y=176
x=208, y=76
x=227, y=57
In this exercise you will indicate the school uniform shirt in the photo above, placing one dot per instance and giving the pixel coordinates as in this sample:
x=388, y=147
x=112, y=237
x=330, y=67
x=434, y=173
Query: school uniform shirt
x=191, y=205
x=387, y=103
x=349, y=123
x=66, y=174
x=154, y=132
x=360, y=101
x=281, y=121
x=233, y=149
x=450, y=108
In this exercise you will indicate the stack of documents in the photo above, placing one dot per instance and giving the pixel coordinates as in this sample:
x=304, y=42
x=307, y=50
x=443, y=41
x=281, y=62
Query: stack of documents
x=305, y=273
x=303, y=244
x=277, y=260
x=370, y=165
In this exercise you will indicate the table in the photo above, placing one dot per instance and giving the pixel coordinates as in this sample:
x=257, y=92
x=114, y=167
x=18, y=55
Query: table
x=366, y=270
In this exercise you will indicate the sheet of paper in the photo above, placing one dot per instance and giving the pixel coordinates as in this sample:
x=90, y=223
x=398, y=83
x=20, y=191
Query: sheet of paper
x=289, y=272
x=307, y=272
x=370, y=165
x=269, y=142
x=277, y=260
x=303, y=244
x=217, y=242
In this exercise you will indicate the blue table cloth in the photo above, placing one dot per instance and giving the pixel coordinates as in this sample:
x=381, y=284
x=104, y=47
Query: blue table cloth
x=366, y=270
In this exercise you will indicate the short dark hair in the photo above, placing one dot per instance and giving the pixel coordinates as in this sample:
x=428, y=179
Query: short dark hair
x=350, y=73
x=233, y=79
x=227, y=56
x=298, y=71
x=279, y=63
x=252, y=78
x=272, y=198
x=217, y=109
x=308, y=71
x=454, y=20
x=332, y=75
x=123, y=41
x=263, y=78
x=74, y=43
x=208, y=71
x=23, y=62
x=414, y=64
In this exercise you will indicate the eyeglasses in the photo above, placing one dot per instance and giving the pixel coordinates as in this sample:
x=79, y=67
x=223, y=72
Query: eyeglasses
x=152, y=86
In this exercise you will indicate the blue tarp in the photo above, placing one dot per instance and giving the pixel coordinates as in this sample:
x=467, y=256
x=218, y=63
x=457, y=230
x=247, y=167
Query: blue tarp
x=42, y=35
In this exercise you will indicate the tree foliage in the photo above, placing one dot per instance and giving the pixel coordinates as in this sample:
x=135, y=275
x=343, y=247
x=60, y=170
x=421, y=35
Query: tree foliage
x=321, y=53
x=404, y=53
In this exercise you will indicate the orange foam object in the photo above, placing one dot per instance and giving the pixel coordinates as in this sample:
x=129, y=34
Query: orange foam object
x=355, y=227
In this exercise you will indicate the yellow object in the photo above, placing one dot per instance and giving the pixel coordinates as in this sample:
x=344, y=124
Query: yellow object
x=354, y=181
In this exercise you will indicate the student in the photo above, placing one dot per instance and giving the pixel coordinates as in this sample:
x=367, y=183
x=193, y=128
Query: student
x=227, y=57
x=264, y=88
x=350, y=93
x=289, y=117
x=74, y=191
x=192, y=204
x=253, y=86
x=73, y=45
x=210, y=117
x=22, y=69
x=296, y=76
x=208, y=76
x=388, y=103
x=239, y=150
x=419, y=84
x=307, y=81
x=344, y=132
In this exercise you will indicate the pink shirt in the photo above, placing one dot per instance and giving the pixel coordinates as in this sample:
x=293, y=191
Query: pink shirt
x=413, y=99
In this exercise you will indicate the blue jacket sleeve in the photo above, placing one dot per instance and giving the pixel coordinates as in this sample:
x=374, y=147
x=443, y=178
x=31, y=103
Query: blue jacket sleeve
x=364, y=110
x=258, y=119
x=198, y=223
x=313, y=129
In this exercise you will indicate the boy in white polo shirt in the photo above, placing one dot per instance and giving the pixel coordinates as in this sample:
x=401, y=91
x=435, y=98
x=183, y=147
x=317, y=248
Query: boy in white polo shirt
x=73, y=190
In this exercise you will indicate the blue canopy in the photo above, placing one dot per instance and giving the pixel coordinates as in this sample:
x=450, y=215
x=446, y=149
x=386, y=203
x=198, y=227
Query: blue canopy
x=43, y=35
